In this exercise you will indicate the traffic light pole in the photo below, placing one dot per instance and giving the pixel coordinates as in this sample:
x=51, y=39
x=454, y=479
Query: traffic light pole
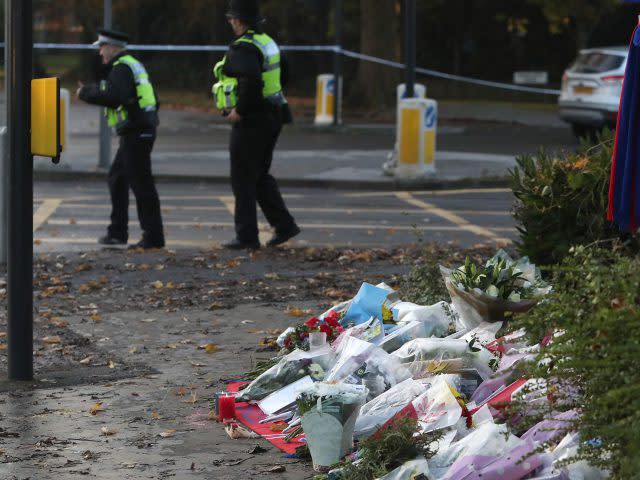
x=104, y=159
x=410, y=46
x=337, y=62
x=19, y=47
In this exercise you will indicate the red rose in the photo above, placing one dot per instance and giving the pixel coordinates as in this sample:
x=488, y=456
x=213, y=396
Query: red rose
x=287, y=342
x=326, y=329
x=312, y=322
x=332, y=318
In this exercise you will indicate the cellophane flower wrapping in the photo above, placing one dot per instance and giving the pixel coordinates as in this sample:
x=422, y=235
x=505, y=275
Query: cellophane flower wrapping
x=375, y=413
x=328, y=415
x=289, y=369
x=360, y=362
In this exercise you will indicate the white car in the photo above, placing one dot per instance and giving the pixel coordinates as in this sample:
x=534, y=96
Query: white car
x=591, y=89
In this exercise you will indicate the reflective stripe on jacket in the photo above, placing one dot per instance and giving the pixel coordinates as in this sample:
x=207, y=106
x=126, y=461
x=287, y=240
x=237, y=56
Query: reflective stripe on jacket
x=225, y=89
x=144, y=91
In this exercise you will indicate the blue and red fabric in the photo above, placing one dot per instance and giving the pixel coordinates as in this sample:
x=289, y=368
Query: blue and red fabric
x=624, y=189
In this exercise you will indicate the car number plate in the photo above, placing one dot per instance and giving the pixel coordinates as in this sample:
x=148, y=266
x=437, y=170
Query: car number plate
x=582, y=90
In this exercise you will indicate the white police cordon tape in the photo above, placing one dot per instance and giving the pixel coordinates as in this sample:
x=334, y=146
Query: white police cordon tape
x=449, y=76
x=179, y=48
x=314, y=48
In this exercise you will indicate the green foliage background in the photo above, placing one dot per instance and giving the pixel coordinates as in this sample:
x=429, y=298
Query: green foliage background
x=592, y=361
x=562, y=200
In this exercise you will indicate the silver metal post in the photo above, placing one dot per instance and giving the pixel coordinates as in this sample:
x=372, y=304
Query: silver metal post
x=104, y=160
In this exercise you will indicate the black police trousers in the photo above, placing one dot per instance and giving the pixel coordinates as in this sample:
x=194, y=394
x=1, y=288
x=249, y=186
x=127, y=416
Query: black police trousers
x=253, y=140
x=132, y=168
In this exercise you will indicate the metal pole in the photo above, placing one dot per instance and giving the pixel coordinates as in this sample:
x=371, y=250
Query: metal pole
x=337, y=63
x=410, y=46
x=104, y=160
x=4, y=172
x=19, y=33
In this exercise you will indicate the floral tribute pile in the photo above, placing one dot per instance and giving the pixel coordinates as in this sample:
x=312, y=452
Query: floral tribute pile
x=444, y=368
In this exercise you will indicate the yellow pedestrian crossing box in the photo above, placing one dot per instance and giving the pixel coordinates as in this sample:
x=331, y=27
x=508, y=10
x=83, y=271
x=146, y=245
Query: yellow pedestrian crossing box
x=46, y=118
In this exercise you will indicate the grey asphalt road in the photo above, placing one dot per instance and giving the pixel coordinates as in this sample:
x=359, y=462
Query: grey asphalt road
x=471, y=144
x=71, y=216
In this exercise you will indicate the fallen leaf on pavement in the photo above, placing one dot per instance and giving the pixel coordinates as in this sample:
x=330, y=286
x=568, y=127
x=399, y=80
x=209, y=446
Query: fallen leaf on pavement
x=172, y=346
x=236, y=431
x=197, y=364
x=155, y=415
x=157, y=284
x=58, y=323
x=83, y=267
x=335, y=293
x=95, y=408
x=212, y=416
x=55, y=339
x=209, y=348
x=295, y=311
x=108, y=431
x=168, y=433
x=256, y=449
x=277, y=469
x=181, y=391
x=86, y=361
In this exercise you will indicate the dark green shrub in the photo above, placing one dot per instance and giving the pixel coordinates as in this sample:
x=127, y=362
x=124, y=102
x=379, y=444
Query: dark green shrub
x=594, y=312
x=562, y=200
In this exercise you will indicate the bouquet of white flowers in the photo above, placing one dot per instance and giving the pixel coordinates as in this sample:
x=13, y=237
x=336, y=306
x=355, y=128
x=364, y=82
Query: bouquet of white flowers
x=486, y=292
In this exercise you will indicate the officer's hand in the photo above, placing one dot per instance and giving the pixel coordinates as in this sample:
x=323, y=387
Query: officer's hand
x=233, y=116
x=80, y=87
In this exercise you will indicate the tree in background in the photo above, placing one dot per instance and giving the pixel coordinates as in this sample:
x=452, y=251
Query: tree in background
x=380, y=36
x=581, y=15
x=487, y=39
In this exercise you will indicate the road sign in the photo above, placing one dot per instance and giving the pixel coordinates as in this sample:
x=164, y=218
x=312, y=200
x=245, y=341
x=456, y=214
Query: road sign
x=531, y=77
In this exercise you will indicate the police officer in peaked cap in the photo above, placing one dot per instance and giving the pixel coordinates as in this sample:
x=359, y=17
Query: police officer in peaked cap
x=249, y=92
x=131, y=107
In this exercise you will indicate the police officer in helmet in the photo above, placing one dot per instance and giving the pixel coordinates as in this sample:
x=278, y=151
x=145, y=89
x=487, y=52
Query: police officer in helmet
x=131, y=107
x=249, y=92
